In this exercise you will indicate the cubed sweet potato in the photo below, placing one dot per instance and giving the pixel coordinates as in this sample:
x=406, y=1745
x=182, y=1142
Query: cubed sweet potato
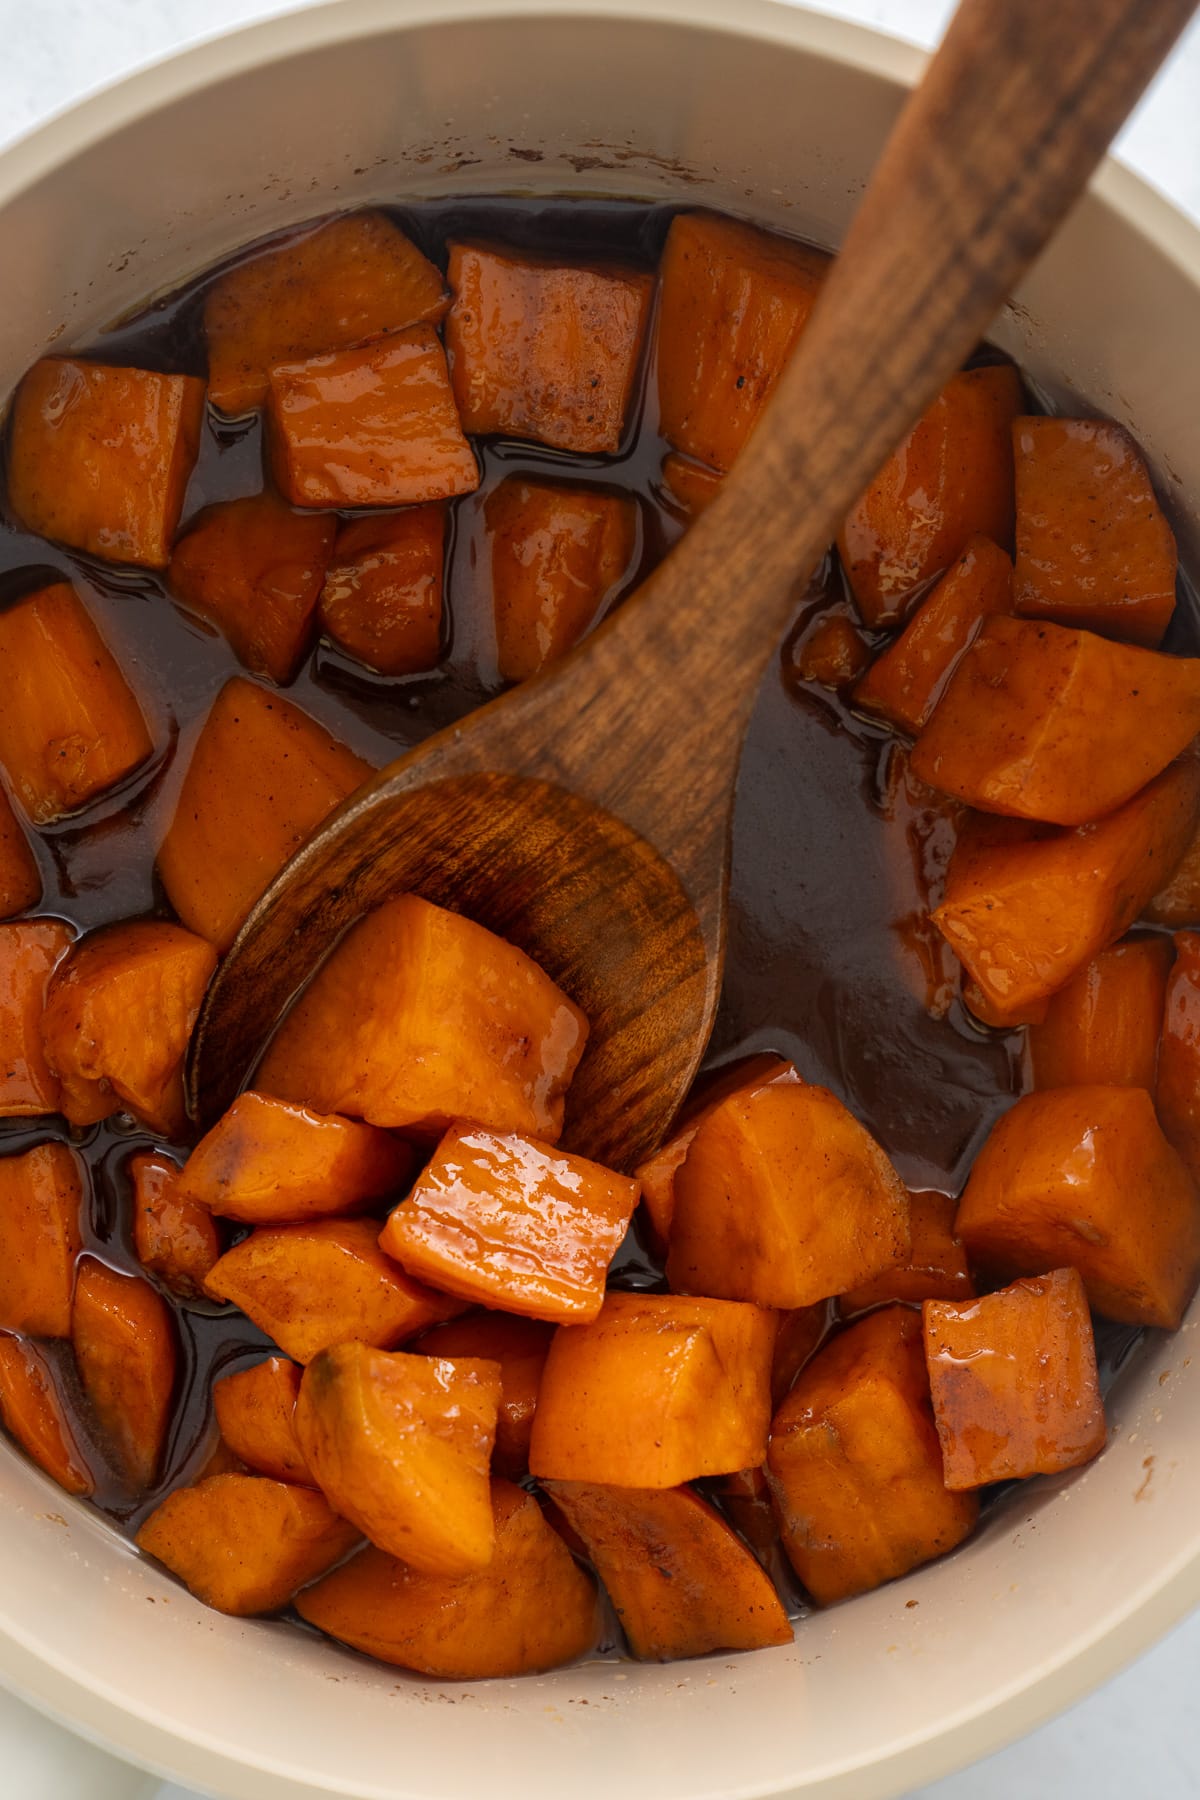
x=733, y=301
x=268, y=1163
x=798, y=1336
x=29, y=954
x=1178, y=1079
x=1102, y=1028
x=1093, y=547
x=256, y=1411
x=382, y=598
x=936, y=1266
x=531, y=1608
x=254, y=567
x=656, y=1391
x=99, y=456
x=41, y=1206
x=905, y=682
x=374, y=426
x=33, y=1413
x=832, y=653
x=175, y=1239
x=1013, y=1379
x=545, y=349
x=244, y=1544
x=262, y=777
x=1177, y=902
x=324, y=288
x=784, y=1199
x=558, y=555
x=986, y=1012
x=436, y=1019
x=855, y=1466
x=506, y=1221
x=1084, y=1177
x=119, y=1013
x=125, y=1348
x=951, y=478
x=681, y=1582
x=70, y=727
x=688, y=486
x=327, y=1282
x=520, y=1346
x=1026, y=907
x=20, y=877
x=401, y=1445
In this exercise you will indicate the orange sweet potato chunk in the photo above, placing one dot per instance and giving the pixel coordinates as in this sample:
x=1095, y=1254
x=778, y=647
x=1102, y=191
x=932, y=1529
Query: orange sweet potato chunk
x=951, y=478
x=436, y=1019
x=175, y=1239
x=1178, y=1085
x=936, y=1266
x=1014, y=1384
x=327, y=1282
x=732, y=303
x=1084, y=1177
x=70, y=727
x=558, y=555
x=905, y=682
x=506, y=1221
x=324, y=288
x=544, y=349
x=118, y=1017
x=531, y=1608
x=1102, y=1028
x=1093, y=547
x=1026, y=907
x=382, y=598
x=855, y=1466
x=689, y=486
x=254, y=567
x=1178, y=900
x=256, y=1413
x=20, y=877
x=244, y=1544
x=262, y=777
x=832, y=653
x=401, y=1446
x=784, y=1199
x=41, y=1203
x=125, y=1348
x=29, y=954
x=681, y=1582
x=267, y=1162
x=520, y=1347
x=374, y=426
x=657, y=1391
x=32, y=1409
x=99, y=457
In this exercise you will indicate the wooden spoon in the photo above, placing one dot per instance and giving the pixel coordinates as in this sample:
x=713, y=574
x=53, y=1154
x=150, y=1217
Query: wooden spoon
x=586, y=815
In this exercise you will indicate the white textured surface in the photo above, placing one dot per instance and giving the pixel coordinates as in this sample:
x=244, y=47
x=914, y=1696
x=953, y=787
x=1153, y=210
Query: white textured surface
x=1137, y=1736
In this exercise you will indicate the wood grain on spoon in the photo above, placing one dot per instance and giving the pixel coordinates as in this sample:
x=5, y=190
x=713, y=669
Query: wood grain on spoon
x=586, y=815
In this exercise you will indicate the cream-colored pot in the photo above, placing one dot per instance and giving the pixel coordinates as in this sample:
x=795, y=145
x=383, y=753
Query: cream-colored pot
x=778, y=114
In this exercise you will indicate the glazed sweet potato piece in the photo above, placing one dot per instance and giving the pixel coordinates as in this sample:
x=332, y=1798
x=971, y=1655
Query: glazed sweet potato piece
x=325, y=288
x=255, y=568
x=657, y=1391
x=855, y=1466
x=832, y=653
x=1039, y=722
x=33, y=1413
x=950, y=479
x=1013, y=1379
x=436, y=1019
x=733, y=300
x=99, y=457
x=784, y=1199
x=244, y=1544
x=268, y=1163
x=327, y=1282
x=1084, y=1177
x=175, y=1239
x=505, y=1221
x=1178, y=900
x=374, y=426
x=1026, y=907
x=125, y=1348
x=558, y=555
x=119, y=1013
x=401, y=1446
x=1102, y=1028
x=1178, y=1084
x=689, y=486
x=1093, y=547
x=41, y=1203
x=936, y=1266
x=256, y=1412
x=382, y=598
x=520, y=1347
x=905, y=682
x=798, y=1336
x=262, y=777
x=29, y=954
x=70, y=727
x=680, y=1581
x=531, y=1608
x=20, y=878
x=544, y=349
